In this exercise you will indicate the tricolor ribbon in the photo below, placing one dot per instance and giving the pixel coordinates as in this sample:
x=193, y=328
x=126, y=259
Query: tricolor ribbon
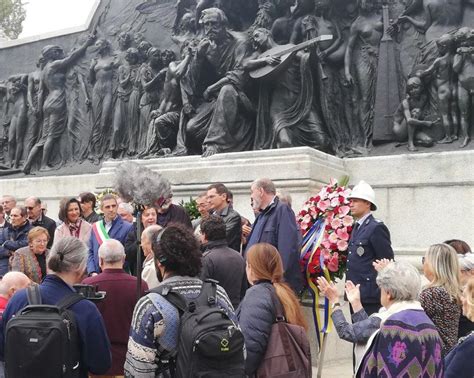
x=311, y=242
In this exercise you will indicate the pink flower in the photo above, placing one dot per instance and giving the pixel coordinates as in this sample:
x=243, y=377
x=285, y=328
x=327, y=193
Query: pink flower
x=342, y=234
x=332, y=182
x=347, y=221
x=335, y=201
x=323, y=205
x=344, y=210
x=333, y=238
x=333, y=264
x=326, y=243
x=336, y=223
x=342, y=245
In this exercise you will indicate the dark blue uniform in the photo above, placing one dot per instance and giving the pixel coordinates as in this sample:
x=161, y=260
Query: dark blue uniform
x=369, y=242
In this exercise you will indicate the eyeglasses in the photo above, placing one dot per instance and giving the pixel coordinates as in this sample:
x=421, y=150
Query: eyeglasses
x=40, y=241
x=30, y=208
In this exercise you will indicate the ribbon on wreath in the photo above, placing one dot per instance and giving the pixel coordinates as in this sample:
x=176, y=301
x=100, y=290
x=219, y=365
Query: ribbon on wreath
x=311, y=242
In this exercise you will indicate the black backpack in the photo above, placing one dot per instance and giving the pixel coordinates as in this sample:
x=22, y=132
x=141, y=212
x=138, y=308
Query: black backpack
x=210, y=344
x=41, y=341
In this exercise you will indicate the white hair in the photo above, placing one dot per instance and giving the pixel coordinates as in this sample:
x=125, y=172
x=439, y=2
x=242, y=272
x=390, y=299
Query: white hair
x=401, y=280
x=111, y=251
x=126, y=206
x=466, y=261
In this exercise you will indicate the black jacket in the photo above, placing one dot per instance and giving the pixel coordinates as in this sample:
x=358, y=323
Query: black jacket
x=49, y=224
x=233, y=227
x=370, y=242
x=226, y=266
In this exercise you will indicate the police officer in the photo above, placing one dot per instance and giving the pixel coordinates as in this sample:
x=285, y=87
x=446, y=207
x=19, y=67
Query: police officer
x=370, y=241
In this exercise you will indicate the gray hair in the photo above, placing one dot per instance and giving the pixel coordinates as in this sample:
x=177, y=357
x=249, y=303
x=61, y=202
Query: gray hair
x=401, y=280
x=68, y=254
x=111, y=251
x=126, y=206
x=466, y=261
x=266, y=184
x=150, y=232
x=285, y=197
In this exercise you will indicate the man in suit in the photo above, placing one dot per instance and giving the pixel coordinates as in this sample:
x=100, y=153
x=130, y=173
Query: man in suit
x=111, y=227
x=37, y=218
x=370, y=241
x=276, y=225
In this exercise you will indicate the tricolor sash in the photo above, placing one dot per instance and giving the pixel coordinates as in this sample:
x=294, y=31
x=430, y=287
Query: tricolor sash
x=99, y=231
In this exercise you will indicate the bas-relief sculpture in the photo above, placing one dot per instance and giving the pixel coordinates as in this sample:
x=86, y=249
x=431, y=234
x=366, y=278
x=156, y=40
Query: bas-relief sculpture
x=163, y=78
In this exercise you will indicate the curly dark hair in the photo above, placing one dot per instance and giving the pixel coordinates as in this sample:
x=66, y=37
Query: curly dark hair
x=177, y=249
x=213, y=227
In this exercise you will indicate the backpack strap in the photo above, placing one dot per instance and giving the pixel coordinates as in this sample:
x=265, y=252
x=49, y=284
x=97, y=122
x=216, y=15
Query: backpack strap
x=279, y=312
x=176, y=299
x=208, y=295
x=69, y=300
x=33, y=295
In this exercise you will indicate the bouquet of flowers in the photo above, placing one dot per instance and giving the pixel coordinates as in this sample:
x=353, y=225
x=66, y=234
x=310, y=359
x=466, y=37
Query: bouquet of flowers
x=326, y=224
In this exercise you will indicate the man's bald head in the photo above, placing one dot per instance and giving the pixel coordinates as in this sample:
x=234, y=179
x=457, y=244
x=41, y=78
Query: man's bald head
x=12, y=282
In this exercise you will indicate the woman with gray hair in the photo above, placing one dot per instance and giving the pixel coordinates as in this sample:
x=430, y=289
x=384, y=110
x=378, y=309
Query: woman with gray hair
x=381, y=339
x=66, y=267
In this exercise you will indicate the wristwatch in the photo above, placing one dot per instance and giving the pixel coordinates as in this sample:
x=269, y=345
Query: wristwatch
x=335, y=305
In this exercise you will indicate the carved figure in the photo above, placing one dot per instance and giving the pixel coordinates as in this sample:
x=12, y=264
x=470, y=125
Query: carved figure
x=143, y=48
x=101, y=74
x=365, y=35
x=34, y=109
x=442, y=70
x=408, y=121
x=163, y=130
x=438, y=18
x=286, y=114
x=54, y=105
x=127, y=74
x=16, y=97
x=463, y=65
x=151, y=77
x=222, y=124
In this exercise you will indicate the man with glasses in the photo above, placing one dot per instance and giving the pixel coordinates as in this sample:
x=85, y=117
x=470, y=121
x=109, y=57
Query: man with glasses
x=14, y=236
x=37, y=217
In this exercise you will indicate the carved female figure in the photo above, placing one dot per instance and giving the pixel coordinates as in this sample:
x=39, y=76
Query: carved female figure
x=54, y=106
x=127, y=74
x=150, y=78
x=361, y=59
x=463, y=65
x=100, y=75
x=34, y=110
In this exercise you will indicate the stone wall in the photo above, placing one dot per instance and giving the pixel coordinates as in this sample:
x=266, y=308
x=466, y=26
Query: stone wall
x=423, y=198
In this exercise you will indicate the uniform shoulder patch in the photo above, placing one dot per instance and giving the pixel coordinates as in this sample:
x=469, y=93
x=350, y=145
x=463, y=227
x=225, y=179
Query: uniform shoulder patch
x=378, y=220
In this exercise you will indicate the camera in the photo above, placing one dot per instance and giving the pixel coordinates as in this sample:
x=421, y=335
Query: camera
x=90, y=292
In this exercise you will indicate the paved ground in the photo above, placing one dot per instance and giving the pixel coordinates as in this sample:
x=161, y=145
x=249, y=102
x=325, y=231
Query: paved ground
x=336, y=369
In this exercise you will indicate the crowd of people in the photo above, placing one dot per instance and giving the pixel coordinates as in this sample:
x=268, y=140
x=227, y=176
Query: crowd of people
x=400, y=326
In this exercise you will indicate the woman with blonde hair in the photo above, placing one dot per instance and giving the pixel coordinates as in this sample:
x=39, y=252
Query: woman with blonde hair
x=31, y=260
x=459, y=362
x=256, y=312
x=441, y=297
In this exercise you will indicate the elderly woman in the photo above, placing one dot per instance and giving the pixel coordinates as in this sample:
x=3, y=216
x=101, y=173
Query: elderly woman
x=441, y=297
x=70, y=213
x=67, y=264
x=31, y=260
x=466, y=264
x=382, y=344
x=458, y=363
x=149, y=268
